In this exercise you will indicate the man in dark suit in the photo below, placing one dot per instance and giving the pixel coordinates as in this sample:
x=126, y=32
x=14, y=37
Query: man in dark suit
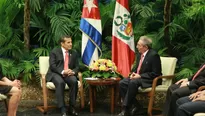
x=188, y=106
x=181, y=88
x=63, y=70
x=148, y=66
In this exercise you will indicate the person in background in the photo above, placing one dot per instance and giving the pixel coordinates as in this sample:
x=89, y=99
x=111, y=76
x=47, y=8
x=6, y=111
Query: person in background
x=188, y=106
x=182, y=88
x=148, y=66
x=63, y=70
x=13, y=89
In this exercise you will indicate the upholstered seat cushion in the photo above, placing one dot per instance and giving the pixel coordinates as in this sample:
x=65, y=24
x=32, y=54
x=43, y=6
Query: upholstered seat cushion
x=51, y=86
x=159, y=88
x=2, y=97
x=199, y=114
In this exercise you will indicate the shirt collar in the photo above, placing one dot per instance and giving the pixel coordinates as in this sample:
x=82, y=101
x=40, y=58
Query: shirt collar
x=145, y=53
x=63, y=50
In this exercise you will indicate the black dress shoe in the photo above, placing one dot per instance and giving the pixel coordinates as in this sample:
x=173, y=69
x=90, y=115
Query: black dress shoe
x=64, y=114
x=124, y=113
x=136, y=110
x=73, y=112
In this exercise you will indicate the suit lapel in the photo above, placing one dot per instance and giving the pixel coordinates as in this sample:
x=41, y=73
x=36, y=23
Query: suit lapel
x=145, y=61
x=61, y=53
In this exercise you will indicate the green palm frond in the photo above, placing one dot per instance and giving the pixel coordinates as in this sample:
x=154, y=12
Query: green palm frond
x=12, y=49
x=27, y=69
x=107, y=13
x=36, y=5
x=8, y=68
x=144, y=11
x=181, y=2
x=44, y=30
x=194, y=55
x=27, y=66
x=2, y=39
x=184, y=73
x=41, y=51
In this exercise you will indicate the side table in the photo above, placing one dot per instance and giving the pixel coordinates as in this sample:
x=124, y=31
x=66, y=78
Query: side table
x=111, y=83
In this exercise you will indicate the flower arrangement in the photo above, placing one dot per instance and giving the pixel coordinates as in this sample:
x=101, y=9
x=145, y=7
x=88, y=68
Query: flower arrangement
x=103, y=68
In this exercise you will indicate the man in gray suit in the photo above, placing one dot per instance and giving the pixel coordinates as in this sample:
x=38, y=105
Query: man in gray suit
x=148, y=66
x=63, y=70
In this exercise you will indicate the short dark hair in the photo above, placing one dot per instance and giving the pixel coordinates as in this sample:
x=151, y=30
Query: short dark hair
x=62, y=39
x=146, y=41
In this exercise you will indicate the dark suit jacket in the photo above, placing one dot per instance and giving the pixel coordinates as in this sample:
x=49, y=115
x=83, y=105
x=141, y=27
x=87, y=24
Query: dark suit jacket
x=198, y=81
x=56, y=62
x=150, y=69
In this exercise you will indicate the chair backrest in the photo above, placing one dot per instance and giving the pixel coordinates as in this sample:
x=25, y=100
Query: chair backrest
x=43, y=64
x=168, y=68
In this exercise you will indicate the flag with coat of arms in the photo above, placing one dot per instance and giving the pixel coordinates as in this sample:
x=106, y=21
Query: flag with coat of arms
x=123, y=48
x=90, y=25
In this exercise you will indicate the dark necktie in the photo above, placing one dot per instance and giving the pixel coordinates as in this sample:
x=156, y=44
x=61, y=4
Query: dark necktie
x=198, y=72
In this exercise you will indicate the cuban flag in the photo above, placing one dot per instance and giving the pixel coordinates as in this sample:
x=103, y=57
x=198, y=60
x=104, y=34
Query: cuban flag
x=123, y=48
x=91, y=28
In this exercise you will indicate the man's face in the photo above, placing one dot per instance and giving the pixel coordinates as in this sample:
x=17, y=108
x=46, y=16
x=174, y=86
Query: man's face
x=141, y=48
x=67, y=45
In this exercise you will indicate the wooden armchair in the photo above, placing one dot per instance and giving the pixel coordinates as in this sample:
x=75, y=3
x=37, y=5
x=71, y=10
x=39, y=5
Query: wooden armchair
x=43, y=68
x=3, y=98
x=168, y=68
x=201, y=88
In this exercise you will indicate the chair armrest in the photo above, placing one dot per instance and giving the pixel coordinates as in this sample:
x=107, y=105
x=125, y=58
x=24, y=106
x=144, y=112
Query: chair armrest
x=43, y=80
x=201, y=88
x=80, y=78
x=154, y=83
x=81, y=90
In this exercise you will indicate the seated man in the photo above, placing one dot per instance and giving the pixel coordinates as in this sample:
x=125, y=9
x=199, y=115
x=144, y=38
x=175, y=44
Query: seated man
x=148, y=67
x=188, y=106
x=183, y=87
x=13, y=89
x=63, y=70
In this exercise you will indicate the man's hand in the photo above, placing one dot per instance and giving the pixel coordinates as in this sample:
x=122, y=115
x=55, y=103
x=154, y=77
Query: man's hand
x=68, y=72
x=184, y=84
x=181, y=81
x=16, y=83
x=201, y=97
x=195, y=95
x=134, y=76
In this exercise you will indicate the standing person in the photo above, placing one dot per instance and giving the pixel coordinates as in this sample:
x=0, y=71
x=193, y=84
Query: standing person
x=188, y=106
x=63, y=70
x=148, y=66
x=13, y=89
x=182, y=88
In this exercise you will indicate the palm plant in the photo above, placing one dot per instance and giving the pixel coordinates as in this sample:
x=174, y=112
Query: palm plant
x=188, y=32
x=12, y=52
x=56, y=19
x=10, y=46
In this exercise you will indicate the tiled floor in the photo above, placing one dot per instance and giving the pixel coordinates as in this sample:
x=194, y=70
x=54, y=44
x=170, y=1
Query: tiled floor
x=102, y=109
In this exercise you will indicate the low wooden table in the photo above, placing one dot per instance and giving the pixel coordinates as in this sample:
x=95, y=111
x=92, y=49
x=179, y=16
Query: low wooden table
x=111, y=83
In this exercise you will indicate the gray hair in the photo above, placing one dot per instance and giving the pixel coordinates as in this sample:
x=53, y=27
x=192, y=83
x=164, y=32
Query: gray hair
x=146, y=41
